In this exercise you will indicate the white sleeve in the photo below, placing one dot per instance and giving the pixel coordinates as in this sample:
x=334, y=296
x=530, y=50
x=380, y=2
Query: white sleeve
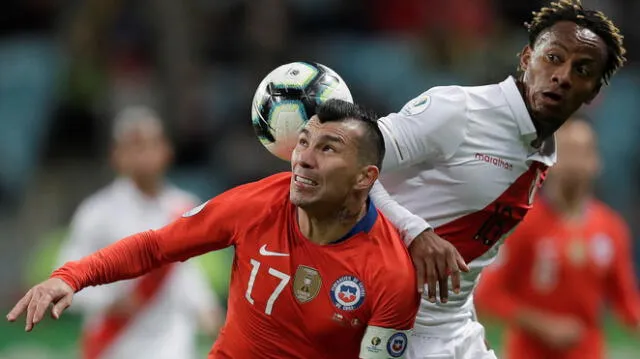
x=87, y=235
x=198, y=293
x=408, y=224
x=427, y=129
x=383, y=343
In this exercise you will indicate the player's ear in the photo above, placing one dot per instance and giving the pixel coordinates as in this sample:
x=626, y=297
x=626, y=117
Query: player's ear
x=595, y=93
x=525, y=58
x=367, y=177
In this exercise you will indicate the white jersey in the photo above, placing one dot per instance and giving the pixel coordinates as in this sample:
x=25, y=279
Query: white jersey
x=166, y=326
x=460, y=158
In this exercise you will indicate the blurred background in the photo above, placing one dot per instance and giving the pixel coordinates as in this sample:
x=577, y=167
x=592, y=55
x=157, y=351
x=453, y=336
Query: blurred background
x=67, y=67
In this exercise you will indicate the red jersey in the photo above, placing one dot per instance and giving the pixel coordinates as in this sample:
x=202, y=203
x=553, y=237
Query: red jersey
x=289, y=297
x=564, y=269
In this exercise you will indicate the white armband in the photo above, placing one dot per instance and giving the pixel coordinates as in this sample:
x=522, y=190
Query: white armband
x=408, y=224
x=384, y=343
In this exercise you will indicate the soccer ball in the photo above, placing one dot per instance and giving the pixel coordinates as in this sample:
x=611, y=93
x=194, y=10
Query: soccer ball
x=287, y=98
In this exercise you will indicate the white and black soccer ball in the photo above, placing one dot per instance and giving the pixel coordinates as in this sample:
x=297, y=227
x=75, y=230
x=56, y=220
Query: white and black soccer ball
x=287, y=98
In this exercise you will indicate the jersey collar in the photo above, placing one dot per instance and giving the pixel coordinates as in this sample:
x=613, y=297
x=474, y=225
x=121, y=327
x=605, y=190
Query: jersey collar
x=518, y=108
x=365, y=224
x=128, y=189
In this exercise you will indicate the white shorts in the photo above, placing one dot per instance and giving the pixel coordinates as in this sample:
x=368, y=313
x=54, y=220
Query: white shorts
x=469, y=344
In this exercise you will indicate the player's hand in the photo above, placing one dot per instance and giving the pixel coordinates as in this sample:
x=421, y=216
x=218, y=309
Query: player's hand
x=435, y=259
x=37, y=300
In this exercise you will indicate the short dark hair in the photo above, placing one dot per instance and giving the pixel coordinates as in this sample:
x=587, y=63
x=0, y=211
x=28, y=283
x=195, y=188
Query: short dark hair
x=371, y=149
x=596, y=21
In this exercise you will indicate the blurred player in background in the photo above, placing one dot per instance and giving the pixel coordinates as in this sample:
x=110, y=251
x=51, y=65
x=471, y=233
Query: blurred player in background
x=570, y=255
x=317, y=273
x=469, y=161
x=122, y=320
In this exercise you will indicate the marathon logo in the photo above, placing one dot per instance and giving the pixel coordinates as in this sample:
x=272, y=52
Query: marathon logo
x=496, y=161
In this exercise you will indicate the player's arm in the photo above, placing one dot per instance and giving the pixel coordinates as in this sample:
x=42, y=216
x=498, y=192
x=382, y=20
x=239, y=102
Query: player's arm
x=394, y=313
x=435, y=259
x=623, y=286
x=429, y=128
x=408, y=224
x=207, y=227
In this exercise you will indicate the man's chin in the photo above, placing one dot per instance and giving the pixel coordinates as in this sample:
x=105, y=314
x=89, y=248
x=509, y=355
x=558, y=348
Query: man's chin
x=298, y=200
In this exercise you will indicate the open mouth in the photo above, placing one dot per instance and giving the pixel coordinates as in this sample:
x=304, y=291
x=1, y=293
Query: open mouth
x=305, y=181
x=554, y=97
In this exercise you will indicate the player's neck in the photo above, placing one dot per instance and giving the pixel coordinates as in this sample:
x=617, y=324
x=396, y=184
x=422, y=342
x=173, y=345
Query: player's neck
x=329, y=227
x=569, y=201
x=148, y=187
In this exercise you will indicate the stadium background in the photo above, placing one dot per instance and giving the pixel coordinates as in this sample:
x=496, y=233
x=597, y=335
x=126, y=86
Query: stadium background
x=67, y=66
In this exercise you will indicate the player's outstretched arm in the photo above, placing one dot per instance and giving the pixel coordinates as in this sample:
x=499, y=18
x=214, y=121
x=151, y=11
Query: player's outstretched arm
x=128, y=258
x=38, y=299
x=434, y=258
x=205, y=228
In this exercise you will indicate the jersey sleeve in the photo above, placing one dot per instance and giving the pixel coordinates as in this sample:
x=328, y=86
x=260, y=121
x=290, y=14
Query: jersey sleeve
x=210, y=226
x=623, y=286
x=394, y=313
x=408, y=224
x=427, y=129
x=492, y=295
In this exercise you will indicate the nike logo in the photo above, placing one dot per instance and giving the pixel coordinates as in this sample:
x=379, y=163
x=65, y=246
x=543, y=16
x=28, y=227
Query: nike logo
x=265, y=252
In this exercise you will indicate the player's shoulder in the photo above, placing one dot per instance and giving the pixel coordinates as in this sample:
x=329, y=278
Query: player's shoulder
x=609, y=217
x=385, y=233
x=393, y=259
x=445, y=100
x=246, y=204
x=485, y=97
x=98, y=202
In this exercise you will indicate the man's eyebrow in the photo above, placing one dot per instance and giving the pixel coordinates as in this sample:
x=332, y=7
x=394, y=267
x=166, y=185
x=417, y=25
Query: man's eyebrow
x=559, y=44
x=332, y=138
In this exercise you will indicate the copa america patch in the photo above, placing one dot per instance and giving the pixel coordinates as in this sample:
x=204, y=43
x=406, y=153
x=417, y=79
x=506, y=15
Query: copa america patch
x=347, y=293
x=194, y=211
x=417, y=105
x=397, y=344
